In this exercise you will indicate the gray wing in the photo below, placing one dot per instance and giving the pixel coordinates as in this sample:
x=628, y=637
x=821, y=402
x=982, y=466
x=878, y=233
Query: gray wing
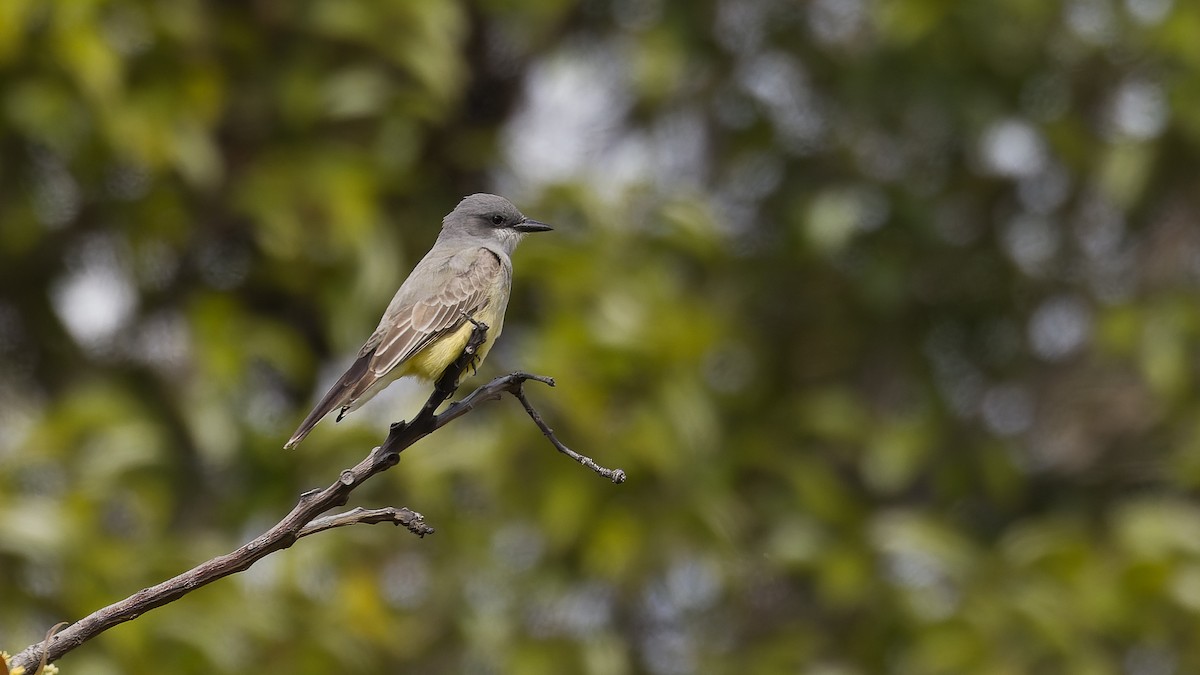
x=408, y=329
x=416, y=325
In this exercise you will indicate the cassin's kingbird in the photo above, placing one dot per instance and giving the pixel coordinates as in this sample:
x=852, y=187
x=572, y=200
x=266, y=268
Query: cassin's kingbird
x=466, y=275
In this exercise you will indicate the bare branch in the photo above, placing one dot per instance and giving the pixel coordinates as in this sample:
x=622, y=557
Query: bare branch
x=303, y=519
x=285, y=533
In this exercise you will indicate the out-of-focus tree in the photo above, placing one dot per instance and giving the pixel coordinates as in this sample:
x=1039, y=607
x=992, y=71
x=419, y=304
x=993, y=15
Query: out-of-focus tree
x=887, y=307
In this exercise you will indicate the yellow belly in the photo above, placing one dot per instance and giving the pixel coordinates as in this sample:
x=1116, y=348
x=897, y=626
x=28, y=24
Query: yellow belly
x=430, y=362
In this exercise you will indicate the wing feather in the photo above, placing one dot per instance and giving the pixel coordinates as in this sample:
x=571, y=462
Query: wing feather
x=426, y=319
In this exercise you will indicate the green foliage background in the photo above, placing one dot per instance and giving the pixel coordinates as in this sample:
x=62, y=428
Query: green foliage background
x=887, y=307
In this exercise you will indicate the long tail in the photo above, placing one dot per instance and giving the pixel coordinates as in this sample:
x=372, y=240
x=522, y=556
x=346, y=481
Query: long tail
x=336, y=397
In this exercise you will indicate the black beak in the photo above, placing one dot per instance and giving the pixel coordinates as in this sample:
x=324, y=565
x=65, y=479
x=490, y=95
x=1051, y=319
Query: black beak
x=530, y=225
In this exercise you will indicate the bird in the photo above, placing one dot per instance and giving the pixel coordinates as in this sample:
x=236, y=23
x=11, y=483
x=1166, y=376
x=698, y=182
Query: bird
x=464, y=278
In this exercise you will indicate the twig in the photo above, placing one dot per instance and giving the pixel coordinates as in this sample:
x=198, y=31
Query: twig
x=615, y=475
x=410, y=519
x=514, y=383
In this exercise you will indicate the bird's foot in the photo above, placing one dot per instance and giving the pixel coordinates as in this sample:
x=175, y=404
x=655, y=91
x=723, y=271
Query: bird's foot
x=474, y=321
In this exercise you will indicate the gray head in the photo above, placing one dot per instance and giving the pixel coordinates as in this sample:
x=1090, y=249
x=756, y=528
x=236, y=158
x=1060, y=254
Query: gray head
x=491, y=217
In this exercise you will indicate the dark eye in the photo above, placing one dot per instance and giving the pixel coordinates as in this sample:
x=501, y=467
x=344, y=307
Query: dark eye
x=497, y=219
